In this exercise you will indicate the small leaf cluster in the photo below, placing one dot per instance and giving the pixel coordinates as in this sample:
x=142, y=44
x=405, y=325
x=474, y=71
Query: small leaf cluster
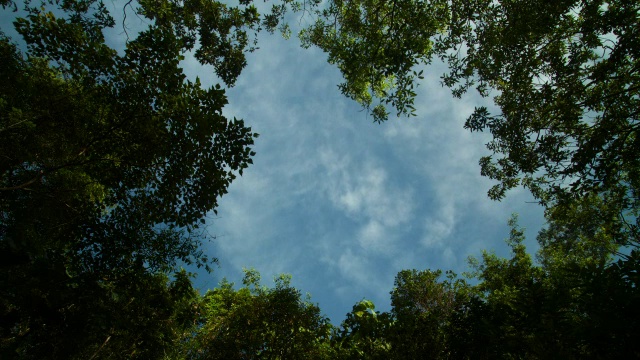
x=376, y=45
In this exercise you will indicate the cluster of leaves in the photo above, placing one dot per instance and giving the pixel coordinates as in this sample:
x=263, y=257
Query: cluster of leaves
x=376, y=45
x=136, y=315
x=102, y=148
x=567, y=77
x=578, y=302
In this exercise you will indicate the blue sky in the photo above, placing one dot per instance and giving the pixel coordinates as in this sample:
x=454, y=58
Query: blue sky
x=339, y=202
x=343, y=204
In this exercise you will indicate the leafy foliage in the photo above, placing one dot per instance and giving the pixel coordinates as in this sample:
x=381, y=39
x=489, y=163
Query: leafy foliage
x=423, y=308
x=47, y=314
x=255, y=322
x=376, y=45
x=110, y=161
x=567, y=80
x=363, y=334
x=116, y=145
x=571, y=307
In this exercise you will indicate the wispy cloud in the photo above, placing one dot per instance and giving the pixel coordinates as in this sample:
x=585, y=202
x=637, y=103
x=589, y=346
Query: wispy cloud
x=364, y=192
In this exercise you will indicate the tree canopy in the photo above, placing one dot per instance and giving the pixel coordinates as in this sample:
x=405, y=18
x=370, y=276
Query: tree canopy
x=569, y=307
x=256, y=322
x=111, y=158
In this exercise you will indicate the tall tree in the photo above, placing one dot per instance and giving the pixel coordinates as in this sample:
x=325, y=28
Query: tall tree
x=255, y=322
x=574, y=305
x=113, y=144
x=364, y=334
x=110, y=160
x=578, y=303
x=424, y=309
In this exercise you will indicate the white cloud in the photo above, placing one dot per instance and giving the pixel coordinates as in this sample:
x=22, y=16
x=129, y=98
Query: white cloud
x=438, y=229
x=374, y=237
x=365, y=193
x=354, y=267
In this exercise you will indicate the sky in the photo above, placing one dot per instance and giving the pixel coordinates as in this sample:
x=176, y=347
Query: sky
x=341, y=203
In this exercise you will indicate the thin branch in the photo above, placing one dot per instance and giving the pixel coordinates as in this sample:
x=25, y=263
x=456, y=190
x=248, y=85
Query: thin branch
x=100, y=348
x=124, y=18
x=24, y=185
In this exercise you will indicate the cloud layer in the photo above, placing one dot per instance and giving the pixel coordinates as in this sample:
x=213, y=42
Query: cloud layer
x=343, y=204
